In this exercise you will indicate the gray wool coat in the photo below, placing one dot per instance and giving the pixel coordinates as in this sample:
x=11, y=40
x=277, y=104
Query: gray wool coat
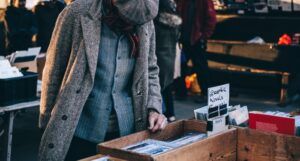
x=70, y=70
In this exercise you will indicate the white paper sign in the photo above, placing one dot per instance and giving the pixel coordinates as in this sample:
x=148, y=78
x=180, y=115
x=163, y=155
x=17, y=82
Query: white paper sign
x=218, y=96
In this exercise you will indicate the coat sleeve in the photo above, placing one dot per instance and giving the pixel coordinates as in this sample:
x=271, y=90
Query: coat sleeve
x=154, y=95
x=210, y=19
x=56, y=63
x=137, y=12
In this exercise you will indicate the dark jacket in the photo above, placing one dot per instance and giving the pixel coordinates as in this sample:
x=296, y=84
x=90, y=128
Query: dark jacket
x=204, y=18
x=20, y=26
x=46, y=15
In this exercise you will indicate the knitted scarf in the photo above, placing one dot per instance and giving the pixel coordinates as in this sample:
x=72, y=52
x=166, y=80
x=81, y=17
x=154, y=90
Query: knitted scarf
x=116, y=23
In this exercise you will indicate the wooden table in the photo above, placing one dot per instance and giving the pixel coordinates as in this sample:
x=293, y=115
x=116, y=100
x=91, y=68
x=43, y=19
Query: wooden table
x=9, y=115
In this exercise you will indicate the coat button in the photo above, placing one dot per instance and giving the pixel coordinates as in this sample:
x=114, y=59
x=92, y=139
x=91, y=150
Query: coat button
x=64, y=117
x=139, y=92
x=139, y=119
x=51, y=146
x=78, y=91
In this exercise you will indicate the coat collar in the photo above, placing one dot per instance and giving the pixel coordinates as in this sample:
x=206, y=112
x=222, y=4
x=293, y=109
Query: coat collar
x=91, y=28
x=95, y=10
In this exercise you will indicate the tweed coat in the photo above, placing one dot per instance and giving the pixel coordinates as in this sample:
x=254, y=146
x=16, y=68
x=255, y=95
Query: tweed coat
x=70, y=70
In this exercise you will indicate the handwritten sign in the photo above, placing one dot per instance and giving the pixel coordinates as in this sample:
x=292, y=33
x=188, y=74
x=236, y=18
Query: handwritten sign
x=218, y=96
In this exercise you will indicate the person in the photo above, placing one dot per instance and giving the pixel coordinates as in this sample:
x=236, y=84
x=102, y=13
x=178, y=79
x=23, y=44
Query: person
x=199, y=20
x=20, y=26
x=166, y=27
x=46, y=13
x=101, y=77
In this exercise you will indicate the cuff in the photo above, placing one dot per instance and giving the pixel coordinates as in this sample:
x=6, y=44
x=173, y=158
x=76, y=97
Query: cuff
x=155, y=104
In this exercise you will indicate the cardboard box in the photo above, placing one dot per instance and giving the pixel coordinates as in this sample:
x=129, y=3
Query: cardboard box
x=221, y=146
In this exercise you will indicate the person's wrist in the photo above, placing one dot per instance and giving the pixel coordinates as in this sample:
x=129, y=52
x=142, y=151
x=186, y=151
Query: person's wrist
x=152, y=110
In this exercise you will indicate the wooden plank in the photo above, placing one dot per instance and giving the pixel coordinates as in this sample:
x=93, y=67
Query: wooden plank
x=261, y=146
x=262, y=52
x=221, y=147
x=193, y=125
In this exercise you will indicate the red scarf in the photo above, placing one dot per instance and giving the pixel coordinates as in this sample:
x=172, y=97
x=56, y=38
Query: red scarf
x=115, y=22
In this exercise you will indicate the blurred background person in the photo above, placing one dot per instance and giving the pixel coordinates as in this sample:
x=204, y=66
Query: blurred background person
x=166, y=26
x=20, y=26
x=199, y=20
x=46, y=13
x=69, y=1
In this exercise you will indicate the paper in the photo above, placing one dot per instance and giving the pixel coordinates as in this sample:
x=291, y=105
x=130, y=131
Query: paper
x=218, y=96
x=4, y=64
x=34, y=51
x=10, y=73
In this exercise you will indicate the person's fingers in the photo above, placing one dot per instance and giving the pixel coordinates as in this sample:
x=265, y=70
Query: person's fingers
x=152, y=120
x=164, y=124
x=159, y=122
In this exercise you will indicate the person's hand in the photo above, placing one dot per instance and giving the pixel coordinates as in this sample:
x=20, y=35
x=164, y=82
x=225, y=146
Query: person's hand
x=157, y=121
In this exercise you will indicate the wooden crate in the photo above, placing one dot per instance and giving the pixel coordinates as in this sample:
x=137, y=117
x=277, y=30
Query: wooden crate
x=218, y=147
x=255, y=145
x=236, y=144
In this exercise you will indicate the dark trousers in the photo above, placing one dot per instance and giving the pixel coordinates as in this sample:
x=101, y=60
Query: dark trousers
x=169, y=101
x=80, y=148
x=196, y=53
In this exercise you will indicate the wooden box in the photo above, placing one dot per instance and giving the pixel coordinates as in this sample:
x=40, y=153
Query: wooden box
x=236, y=144
x=218, y=147
x=253, y=145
